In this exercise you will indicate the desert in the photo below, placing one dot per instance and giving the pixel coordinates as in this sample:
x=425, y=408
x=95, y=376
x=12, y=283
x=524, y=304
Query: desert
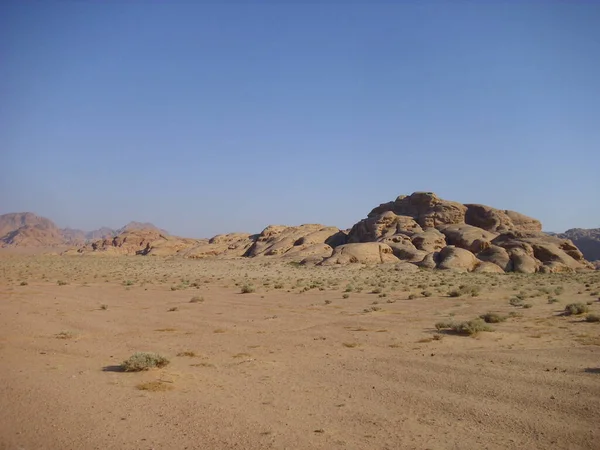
x=281, y=340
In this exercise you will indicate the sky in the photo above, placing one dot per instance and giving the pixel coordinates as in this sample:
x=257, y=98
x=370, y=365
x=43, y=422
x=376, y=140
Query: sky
x=215, y=117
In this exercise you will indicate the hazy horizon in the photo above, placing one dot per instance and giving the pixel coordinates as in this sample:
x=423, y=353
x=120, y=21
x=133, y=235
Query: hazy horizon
x=205, y=119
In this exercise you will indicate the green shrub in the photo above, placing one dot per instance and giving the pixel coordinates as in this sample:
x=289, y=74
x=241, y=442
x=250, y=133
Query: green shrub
x=575, y=309
x=143, y=361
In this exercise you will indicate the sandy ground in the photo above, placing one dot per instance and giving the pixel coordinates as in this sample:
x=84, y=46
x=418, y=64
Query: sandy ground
x=293, y=365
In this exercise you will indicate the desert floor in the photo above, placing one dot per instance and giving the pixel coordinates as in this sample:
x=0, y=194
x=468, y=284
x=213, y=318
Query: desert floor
x=294, y=364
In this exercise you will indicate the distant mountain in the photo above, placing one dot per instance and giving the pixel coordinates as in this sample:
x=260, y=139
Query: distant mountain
x=139, y=226
x=587, y=240
x=29, y=230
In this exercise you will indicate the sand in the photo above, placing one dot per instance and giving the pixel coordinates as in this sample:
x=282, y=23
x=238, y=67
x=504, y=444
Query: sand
x=294, y=364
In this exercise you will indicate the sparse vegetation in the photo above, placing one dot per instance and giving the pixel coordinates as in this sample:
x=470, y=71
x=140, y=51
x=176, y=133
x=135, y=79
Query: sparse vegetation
x=196, y=299
x=573, y=309
x=248, y=289
x=469, y=328
x=592, y=318
x=140, y=361
x=492, y=317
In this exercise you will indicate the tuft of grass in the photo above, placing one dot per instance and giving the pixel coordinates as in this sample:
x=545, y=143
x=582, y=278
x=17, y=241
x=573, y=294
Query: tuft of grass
x=174, y=308
x=527, y=305
x=24, y=283
x=465, y=289
x=140, y=361
x=65, y=335
x=552, y=300
x=575, y=309
x=188, y=354
x=492, y=317
x=248, y=289
x=154, y=386
x=469, y=328
x=61, y=283
x=196, y=299
x=515, y=301
x=104, y=307
x=346, y=295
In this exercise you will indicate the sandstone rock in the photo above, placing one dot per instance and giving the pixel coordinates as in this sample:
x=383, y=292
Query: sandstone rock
x=496, y=220
x=586, y=240
x=430, y=261
x=468, y=237
x=276, y=240
x=406, y=251
x=430, y=240
x=426, y=208
x=456, y=258
x=405, y=267
x=496, y=255
x=487, y=267
x=522, y=261
x=381, y=226
x=366, y=253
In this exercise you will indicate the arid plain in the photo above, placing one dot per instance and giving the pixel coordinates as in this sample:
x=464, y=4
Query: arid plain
x=320, y=357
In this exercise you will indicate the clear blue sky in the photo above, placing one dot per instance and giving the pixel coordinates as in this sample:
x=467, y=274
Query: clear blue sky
x=216, y=117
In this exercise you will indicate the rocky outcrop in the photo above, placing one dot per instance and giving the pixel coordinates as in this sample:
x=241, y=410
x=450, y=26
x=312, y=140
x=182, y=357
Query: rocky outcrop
x=434, y=233
x=278, y=240
x=365, y=253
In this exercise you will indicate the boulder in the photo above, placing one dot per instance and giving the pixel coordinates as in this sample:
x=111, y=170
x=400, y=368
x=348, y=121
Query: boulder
x=382, y=226
x=497, y=221
x=456, y=258
x=426, y=208
x=496, y=255
x=366, y=253
x=430, y=261
x=488, y=267
x=468, y=237
x=430, y=240
x=522, y=261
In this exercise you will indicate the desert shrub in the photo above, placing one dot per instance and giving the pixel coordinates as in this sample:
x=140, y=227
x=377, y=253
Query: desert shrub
x=412, y=296
x=592, y=318
x=492, y=317
x=559, y=290
x=104, y=307
x=468, y=328
x=346, y=295
x=575, y=309
x=553, y=300
x=376, y=291
x=465, y=289
x=143, y=361
x=515, y=301
x=196, y=299
x=527, y=305
x=248, y=289
x=24, y=283
x=61, y=283
x=173, y=309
